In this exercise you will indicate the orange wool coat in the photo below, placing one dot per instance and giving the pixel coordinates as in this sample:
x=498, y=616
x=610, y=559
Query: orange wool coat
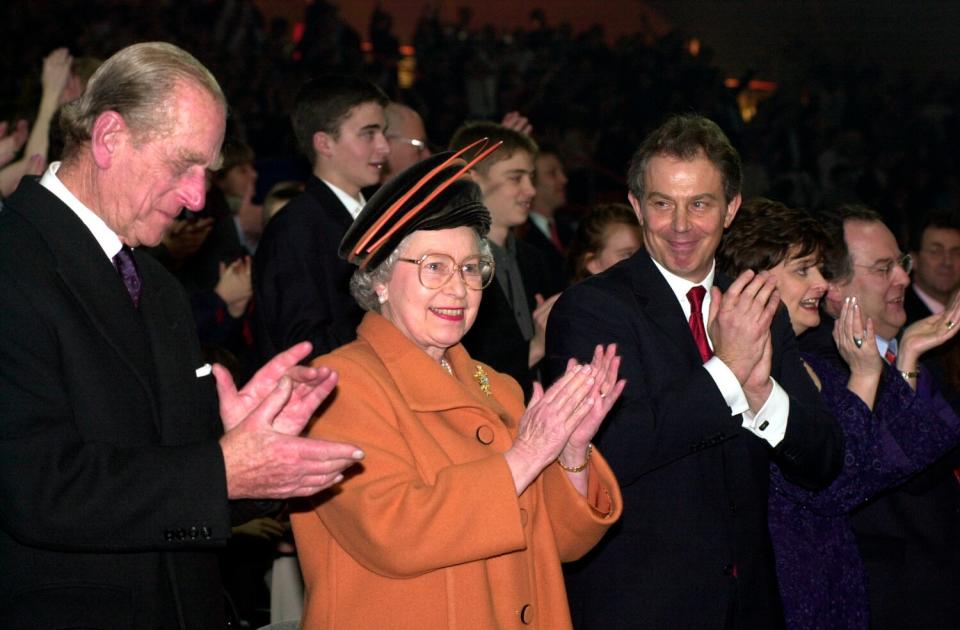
x=430, y=532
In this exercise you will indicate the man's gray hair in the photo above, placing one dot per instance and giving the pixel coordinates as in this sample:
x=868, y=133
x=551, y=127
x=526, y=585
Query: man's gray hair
x=138, y=82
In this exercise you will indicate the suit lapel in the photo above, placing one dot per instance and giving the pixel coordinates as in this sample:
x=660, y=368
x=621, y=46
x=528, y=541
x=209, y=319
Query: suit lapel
x=330, y=203
x=90, y=277
x=658, y=302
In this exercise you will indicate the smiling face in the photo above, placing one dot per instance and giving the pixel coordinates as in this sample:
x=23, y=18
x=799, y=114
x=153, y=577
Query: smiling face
x=146, y=181
x=507, y=189
x=434, y=319
x=683, y=214
x=354, y=158
x=801, y=287
x=872, y=247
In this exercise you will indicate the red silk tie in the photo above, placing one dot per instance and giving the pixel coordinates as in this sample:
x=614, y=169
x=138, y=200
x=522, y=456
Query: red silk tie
x=555, y=235
x=695, y=297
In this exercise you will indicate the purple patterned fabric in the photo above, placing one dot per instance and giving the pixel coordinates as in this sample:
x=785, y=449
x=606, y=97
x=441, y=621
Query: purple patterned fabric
x=127, y=269
x=821, y=575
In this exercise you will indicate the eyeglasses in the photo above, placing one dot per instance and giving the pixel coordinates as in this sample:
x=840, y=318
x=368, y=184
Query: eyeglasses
x=435, y=270
x=419, y=145
x=885, y=269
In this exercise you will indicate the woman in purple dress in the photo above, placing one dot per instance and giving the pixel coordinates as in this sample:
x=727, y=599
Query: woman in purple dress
x=821, y=575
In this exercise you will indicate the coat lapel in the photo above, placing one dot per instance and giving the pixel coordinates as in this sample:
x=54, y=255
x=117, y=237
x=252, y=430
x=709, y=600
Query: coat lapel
x=90, y=277
x=425, y=385
x=658, y=302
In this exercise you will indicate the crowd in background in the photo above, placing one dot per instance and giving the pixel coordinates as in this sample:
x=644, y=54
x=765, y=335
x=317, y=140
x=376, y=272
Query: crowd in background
x=845, y=132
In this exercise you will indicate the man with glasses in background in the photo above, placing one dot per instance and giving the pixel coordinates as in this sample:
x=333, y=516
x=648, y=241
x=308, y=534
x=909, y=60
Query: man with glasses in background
x=407, y=138
x=909, y=537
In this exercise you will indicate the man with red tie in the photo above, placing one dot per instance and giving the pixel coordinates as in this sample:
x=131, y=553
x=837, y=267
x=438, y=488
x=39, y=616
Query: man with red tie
x=715, y=392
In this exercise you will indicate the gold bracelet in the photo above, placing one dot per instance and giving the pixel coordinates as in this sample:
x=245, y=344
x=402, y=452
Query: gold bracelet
x=582, y=466
x=908, y=375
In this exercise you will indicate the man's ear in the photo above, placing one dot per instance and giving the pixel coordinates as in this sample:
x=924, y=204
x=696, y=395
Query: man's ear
x=732, y=208
x=635, y=204
x=833, y=299
x=108, y=134
x=591, y=263
x=322, y=143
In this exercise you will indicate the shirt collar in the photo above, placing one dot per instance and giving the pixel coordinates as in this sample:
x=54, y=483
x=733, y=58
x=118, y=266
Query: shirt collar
x=107, y=238
x=934, y=305
x=541, y=222
x=883, y=344
x=680, y=286
x=353, y=204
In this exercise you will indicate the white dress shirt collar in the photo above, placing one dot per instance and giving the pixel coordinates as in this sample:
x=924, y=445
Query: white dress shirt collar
x=353, y=204
x=107, y=238
x=681, y=286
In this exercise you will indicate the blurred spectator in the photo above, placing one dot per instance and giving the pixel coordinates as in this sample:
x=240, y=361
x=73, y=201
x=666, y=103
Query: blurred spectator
x=511, y=325
x=407, y=138
x=608, y=234
x=301, y=285
x=543, y=229
x=280, y=194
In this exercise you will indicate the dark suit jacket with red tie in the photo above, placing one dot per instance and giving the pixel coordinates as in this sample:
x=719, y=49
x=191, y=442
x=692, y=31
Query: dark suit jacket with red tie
x=692, y=548
x=112, y=486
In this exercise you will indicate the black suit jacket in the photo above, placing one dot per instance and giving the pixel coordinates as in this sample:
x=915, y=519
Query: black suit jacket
x=301, y=287
x=558, y=272
x=495, y=338
x=112, y=485
x=691, y=549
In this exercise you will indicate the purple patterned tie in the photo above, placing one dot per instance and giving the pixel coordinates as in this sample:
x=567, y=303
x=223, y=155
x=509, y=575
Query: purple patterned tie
x=127, y=268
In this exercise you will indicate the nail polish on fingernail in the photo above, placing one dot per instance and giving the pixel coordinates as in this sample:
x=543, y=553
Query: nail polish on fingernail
x=358, y=454
x=338, y=478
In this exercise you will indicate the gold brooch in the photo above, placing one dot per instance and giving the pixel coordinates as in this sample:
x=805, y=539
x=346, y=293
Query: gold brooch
x=481, y=377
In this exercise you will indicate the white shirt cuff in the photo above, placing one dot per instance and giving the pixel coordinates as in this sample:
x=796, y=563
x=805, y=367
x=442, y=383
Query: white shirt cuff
x=728, y=385
x=770, y=423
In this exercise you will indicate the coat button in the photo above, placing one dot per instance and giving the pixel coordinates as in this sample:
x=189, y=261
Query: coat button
x=526, y=614
x=485, y=435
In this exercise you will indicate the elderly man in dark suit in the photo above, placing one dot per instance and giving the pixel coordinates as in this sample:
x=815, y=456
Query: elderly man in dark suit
x=115, y=471
x=301, y=287
x=705, y=410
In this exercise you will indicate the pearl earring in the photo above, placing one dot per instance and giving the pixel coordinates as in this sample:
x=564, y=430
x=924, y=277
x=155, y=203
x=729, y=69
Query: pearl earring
x=381, y=298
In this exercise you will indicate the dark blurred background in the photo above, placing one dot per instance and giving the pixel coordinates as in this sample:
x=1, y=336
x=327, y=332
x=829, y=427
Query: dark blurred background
x=828, y=101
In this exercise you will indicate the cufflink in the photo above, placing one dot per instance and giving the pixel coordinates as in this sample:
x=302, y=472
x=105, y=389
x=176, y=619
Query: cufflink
x=204, y=370
x=764, y=425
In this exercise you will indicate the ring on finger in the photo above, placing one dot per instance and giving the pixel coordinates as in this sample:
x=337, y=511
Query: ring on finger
x=858, y=342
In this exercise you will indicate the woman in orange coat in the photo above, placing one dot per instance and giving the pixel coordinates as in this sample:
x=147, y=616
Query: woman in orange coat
x=467, y=502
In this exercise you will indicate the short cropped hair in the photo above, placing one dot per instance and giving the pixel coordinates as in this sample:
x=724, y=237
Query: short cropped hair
x=322, y=104
x=685, y=137
x=513, y=141
x=837, y=265
x=765, y=233
x=138, y=82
